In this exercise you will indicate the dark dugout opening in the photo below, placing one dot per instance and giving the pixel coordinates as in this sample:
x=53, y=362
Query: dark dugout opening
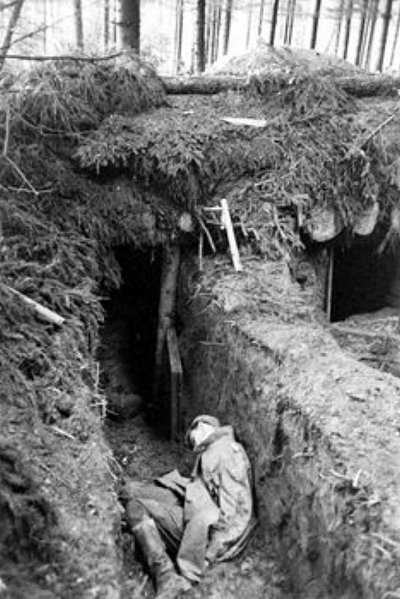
x=364, y=278
x=129, y=332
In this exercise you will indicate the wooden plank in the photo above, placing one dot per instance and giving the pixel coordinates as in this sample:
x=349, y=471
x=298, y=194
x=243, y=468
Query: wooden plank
x=246, y=122
x=176, y=381
x=166, y=308
x=227, y=223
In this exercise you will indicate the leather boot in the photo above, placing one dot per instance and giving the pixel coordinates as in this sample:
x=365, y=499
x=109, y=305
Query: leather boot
x=168, y=583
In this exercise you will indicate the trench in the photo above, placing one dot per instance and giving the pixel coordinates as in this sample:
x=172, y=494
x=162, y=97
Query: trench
x=137, y=436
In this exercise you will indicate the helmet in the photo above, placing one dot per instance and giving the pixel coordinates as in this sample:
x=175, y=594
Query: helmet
x=210, y=420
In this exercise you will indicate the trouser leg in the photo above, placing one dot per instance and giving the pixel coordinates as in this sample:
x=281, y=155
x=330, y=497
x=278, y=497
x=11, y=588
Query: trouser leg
x=154, y=514
x=168, y=583
x=162, y=505
x=192, y=551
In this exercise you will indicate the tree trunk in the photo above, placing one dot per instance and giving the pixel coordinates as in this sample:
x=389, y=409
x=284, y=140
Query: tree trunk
x=274, y=22
x=359, y=86
x=396, y=39
x=200, y=37
x=78, y=24
x=362, y=32
x=317, y=13
x=249, y=22
x=129, y=24
x=115, y=23
x=45, y=20
x=340, y=16
x=227, y=27
x=211, y=42
x=386, y=22
x=291, y=9
x=261, y=18
x=349, y=16
x=12, y=24
x=287, y=22
x=106, y=24
x=374, y=18
x=217, y=32
x=292, y=16
x=178, y=34
x=210, y=32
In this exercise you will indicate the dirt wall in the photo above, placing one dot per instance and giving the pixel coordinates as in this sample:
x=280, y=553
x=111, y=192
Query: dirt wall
x=322, y=430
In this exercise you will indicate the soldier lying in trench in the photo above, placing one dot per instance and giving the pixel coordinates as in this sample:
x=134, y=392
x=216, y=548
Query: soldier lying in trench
x=199, y=520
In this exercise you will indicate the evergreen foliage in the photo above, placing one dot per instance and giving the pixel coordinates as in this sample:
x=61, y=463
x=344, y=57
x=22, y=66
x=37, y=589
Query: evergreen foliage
x=311, y=152
x=68, y=96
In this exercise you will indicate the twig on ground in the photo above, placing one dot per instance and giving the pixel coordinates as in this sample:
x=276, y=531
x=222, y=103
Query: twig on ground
x=381, y=126
x=201, y=246
x=7, y=133
x=21, y=174
x=207, y=232
x=391, y=542
x=40, y=310
x=60, y=431
x=139, y=592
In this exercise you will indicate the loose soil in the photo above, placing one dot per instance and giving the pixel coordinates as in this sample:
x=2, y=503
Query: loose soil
x=142, y=453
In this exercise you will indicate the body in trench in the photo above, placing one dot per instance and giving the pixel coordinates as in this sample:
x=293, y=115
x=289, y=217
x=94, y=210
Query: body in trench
x=198, y=520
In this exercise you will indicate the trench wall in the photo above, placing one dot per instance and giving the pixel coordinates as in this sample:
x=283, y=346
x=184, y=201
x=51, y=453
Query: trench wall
x=321, y=429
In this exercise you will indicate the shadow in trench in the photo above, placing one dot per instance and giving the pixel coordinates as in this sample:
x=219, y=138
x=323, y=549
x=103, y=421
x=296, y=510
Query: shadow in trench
x=364, y=280
x=129, y=333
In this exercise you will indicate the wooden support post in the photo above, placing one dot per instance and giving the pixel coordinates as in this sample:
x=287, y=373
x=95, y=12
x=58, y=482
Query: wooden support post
x=329, y=283
x=227, y=223
x=176, y=381
x=166, y=308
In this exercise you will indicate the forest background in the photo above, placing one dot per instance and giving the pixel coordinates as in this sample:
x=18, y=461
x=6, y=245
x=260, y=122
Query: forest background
x=188, y=36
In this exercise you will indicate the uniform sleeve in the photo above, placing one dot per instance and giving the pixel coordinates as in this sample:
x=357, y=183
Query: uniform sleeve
x=235, y=503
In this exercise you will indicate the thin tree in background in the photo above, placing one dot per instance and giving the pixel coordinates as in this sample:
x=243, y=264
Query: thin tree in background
x=274, y=22
x=227, y=25
x=290, y=21
x=44, y=2
x=373, y=11
x=217, y=31
x=115, y=22
x=78, y=24
x=12, y=24
x=362, y=31
x=214, y=31
x=209, y=23
x=339, y=22
x=349, y=17
x=200, y=35
x=129, y=24
x=211, y=33
x=178, y=33
x=106, y=24
x=261, y=18
x=316, y=16
x=387, y=15
x=396, y=39
x=249, y=22
x=287, y=22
